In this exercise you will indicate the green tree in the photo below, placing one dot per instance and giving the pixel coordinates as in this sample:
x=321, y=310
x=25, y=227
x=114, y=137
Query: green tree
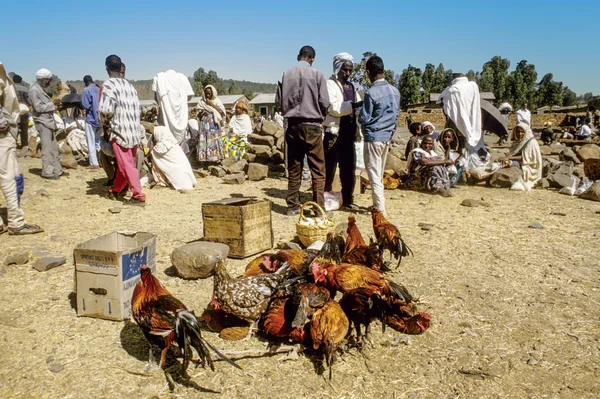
x=409, y=86
x=248, y=93
x=494, y=77
x=470, y=75
x=549, y=92
x=359, y=74
x=198, y=80
x=569, y=97
x=234, y=89
x=521, y=84
x=427, y=81
x=439, y=79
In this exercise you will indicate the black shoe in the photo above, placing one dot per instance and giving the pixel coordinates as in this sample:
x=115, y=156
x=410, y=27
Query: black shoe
x=293, y=212
x=135, y=201
x=109, y=183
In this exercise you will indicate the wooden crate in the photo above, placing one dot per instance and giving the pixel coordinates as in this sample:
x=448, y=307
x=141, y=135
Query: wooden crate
x=244, y=224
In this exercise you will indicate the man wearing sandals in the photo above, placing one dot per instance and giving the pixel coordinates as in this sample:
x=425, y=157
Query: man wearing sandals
x=9, y=167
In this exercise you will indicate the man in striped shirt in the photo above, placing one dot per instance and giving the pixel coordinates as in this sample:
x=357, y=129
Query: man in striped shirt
x=120, y=111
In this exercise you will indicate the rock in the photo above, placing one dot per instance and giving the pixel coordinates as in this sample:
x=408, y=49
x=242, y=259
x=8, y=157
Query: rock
x=559, y=213
x=64, y=148
x=470, y=202
x=262, y=152
x=270, y=128
x=227, y=162
x=18, y=259
x=396, y=164
x=257, y=171
x=550, y=165
x=42, y=193
x=55, y=367
x=68, y=161
x=249, y=157
x=544, y=183
x=217, y=171
x=277, y=157
x=46, y=263
x=569, y=155
x=546, y=150
x=536, y=225
x=198, y=259
x=236, y=178
x=238, y=167
x=561, y=177
x=280, y=144
x=114, y=210
x=557, y=148
x=425, y=226
x=201, y=173
x=505, y=177
x=578, y=172
x=588, y=151
x=261, y=140
x=289, y=245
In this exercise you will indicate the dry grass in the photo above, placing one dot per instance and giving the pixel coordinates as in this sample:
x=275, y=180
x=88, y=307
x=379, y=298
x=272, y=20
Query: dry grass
x=516, y=311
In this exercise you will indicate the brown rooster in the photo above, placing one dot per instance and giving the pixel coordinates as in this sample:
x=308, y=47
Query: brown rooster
x=277, y=321
x=165, y=320
x=245, y=297
x=328, y=328
x=307, y=298
x=404, y=318
x=357, y=252
x=356, y=279
x=361, y=310
x=388, y=236
x=257, y=266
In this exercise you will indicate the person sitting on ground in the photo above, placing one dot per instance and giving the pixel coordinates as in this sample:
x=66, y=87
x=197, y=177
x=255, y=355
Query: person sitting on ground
x=446, y=145
x=427, y=170
x=429, y=129
x=585, y=131
x=415, y=141
x=169, y=163
x=240, y=126
x=526, y=151
x=547, y=133
x=211, y=112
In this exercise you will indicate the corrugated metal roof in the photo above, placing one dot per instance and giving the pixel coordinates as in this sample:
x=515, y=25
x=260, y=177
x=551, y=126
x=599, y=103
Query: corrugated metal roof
x=264, y=98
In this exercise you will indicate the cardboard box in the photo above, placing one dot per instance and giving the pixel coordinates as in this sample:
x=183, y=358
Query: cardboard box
x=107, y=269
x=244, y=224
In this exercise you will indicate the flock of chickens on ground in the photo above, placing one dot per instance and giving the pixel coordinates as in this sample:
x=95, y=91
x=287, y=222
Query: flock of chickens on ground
x=290, y=296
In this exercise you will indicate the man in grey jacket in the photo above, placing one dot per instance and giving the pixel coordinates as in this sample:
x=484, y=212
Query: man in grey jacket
x=43, y=116
x=303, y=100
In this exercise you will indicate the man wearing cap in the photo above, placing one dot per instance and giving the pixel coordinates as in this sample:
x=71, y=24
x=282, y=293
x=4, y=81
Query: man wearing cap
x=43, y=110
x=93, y=129
x=341, y=129
x=303, y=100
x=10, y=184
x=547, y=133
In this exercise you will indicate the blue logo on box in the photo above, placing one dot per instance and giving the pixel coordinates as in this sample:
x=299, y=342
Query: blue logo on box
x=132, y=263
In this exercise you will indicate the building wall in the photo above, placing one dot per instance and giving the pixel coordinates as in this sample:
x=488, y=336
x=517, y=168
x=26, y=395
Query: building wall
x=270, y=108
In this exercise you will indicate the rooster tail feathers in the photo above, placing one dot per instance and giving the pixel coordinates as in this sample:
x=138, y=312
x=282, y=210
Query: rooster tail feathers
x=221, y=355
x=283, y=269
x=188, y=334
x=399, y=291
x=301, y=313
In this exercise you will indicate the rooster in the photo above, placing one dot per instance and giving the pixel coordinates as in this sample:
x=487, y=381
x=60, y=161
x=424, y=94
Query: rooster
x=307, y=298
x=245, y=297
x=328, y=328
x=404, y=318
x=388, y=236
x=164, y=320
x=277, y=321
x=361, y=310
x=356, y=279
x=357, y=252
x=257, y=266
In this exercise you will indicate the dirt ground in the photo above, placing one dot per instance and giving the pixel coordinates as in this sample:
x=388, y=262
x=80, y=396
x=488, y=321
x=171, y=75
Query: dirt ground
x=516, y=310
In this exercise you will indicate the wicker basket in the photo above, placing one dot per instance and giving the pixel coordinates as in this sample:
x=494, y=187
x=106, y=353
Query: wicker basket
x=310, y=234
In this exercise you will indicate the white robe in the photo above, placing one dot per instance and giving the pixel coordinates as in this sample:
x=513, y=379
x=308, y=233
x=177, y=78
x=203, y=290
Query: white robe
x=172, y=90
x=462, y=104
x=169, y=158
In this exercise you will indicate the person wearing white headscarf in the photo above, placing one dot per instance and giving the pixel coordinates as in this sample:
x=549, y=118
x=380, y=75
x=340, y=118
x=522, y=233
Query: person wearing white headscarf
x=169, y=162
x=240, y=126
x=172, y=91
x=210, y=117
x=341, y=130
x=43, y=116
x=11, y=178
x=526, y=151
x=428, y=129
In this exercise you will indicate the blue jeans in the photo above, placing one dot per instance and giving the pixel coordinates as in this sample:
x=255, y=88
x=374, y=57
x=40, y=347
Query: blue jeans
x=92, y=135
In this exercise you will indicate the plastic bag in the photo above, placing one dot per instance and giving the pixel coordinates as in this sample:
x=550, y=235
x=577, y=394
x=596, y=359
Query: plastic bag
x=358, y=150
x=585, y=184
x=572, y=187
x=333, y=200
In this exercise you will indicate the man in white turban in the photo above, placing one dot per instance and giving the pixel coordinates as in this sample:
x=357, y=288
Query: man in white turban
x=43, y=116
x=341, y=129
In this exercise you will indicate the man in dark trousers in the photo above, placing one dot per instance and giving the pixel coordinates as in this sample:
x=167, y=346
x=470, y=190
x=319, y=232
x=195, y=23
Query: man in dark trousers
x=303, y=100
x=23, y=97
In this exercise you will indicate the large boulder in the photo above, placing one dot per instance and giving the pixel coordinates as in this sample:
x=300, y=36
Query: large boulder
x=557, y=148
x=236, y=178
x=588, y=151
x=395, y=163
x=261, y=140
x=505, y=177
x=546, y=150
x=550, y=165
x=277, y=156
x=238, y=167
x=561, y=177
x=269, y=128
x=257, y=171
x=227, y=162
x=249, y=157
x=569, y=155
x=68, y=162
x=262, y=152
x=198, y=259
x=280, y=143
x=217, y=171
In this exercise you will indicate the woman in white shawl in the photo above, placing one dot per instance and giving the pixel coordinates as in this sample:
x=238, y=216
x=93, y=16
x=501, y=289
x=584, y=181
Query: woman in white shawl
x=240, y=127
x=526, y=151
x=169, y=162
x=427, y=170
x=211, y=114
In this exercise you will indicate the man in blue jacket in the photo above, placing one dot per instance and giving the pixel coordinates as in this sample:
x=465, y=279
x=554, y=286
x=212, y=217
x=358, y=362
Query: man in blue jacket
x=378, y=120
x=93, y=129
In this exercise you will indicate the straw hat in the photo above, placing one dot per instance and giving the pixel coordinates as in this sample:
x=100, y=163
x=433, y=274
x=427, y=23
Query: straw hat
x=547, y=124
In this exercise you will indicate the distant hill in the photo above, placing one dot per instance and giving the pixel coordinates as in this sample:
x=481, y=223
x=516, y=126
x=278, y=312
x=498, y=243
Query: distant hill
x=144, y=87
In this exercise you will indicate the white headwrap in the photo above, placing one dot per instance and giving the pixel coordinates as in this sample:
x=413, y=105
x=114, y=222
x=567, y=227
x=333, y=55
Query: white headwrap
x=43, y=74
x=427, y=123
x=339, y=60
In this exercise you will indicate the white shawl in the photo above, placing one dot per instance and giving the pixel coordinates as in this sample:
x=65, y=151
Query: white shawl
x=462, y=105
x=172, y=90
x=241, y=125
x=212, y=105
x=168, y=157
x=529, y=149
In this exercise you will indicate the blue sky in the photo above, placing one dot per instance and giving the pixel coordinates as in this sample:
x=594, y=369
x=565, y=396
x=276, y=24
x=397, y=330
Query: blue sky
x=257, y=41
